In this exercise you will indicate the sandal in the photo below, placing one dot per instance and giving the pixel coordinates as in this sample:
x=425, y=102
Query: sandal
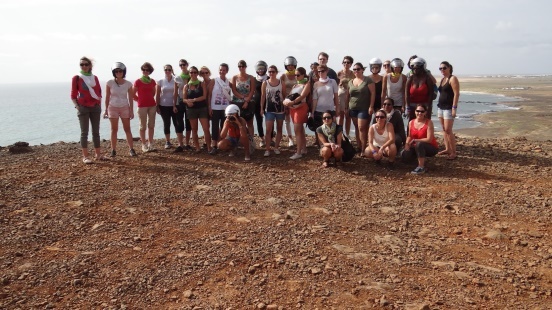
x=443, y=152
x=101, y=158
x=451, y=157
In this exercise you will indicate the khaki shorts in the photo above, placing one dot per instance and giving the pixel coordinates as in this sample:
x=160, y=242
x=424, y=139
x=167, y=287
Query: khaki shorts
x=116, y=112
x=147, y=117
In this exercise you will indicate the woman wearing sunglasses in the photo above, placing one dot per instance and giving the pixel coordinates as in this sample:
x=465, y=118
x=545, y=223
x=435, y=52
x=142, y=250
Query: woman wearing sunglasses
x=421, y=142
x=243, y=88
x=119, y=104
x=86, y=94
x=179, y=107
x=344, y=76
x=361, y=100
x=299, y=110
x=419, y=88
x=144, y=93
x=164, y=98
x=330, y=137
x=381, y=140
x=195, y=98
x=272, y=92
x=449, y=90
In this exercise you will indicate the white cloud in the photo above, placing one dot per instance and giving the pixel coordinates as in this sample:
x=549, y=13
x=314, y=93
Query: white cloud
x=20, y=38
x=502, y=25
x=66, y=36
x=435, y=19
x=161, y=34
x=259, y=39
x=444, y=40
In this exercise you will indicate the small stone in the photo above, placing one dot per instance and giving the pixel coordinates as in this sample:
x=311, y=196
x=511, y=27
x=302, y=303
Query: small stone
x=188, y=294
x=495, y=235
x=232, y=238
x=316, y=270
x=271, y=307
x=76, y=282
x=261, y=305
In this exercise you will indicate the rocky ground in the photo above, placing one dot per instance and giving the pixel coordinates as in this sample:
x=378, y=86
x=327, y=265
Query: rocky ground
x=194, y=231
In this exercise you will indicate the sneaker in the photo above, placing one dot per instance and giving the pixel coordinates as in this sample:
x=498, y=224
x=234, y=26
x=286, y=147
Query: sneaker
x=144, y=148
x=113, y=153
x=87, y=161
x=418, y=170
x=290, y=143
x=247, y=159
x=179, y=149
x=296, y=156
x=276, y=151
x=132, y=152
x=213, y=151
x=262, y=144
x=151, y=147
x=266, y=153
x=168, y=145
x=232, y=154
x=188, y=147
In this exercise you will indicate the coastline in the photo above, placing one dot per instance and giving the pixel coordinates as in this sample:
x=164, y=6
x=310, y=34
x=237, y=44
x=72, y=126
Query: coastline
x=527, y=121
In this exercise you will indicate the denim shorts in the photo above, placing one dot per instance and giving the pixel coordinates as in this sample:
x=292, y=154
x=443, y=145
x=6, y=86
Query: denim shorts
x=362, y=114
x=271, y=116
x=233, y=141
x=445, y=114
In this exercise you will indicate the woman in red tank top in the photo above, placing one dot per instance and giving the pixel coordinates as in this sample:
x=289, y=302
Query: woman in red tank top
x=421, y=142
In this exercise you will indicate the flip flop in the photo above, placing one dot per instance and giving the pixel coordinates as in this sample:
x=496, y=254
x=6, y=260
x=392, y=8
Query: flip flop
x=444, y=152
x=451, y=157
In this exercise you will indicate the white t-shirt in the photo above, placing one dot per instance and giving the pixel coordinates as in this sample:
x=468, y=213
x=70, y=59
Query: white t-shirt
x=324, y=93
x=167, y=91
x=119, y=93
x=220, y=98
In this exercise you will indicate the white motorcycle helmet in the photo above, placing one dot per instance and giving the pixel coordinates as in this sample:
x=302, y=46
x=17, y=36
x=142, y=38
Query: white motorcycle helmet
x=419, y=62
x=261, y=66
x=231, y=110
x=375, y=62
x=397, y=63
x=118, y=65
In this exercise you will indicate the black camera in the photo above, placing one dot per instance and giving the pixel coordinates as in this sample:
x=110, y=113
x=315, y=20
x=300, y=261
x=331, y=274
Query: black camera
x=231, y=118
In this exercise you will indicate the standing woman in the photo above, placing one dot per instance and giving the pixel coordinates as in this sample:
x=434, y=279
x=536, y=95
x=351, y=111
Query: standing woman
x=418, y=89
x=219, y=93
x=243, y=89
x=119, y=104
x=375, y=68
x=144, y=93
x=272, y=98
x=289, y=80
x=449, y=90
x=179, y=107
x=164, y=97
x=421, y=142
x=394, y=84
x=86, y=94
x=299, y=110
x=361, y=100
x=344, y=76
x=324, y=94
x=260, y=69
x=330, y=137
x=195, y=98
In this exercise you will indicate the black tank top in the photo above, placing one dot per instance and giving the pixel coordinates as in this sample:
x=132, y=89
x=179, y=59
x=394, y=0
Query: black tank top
x=196, y=93
x=446, y=96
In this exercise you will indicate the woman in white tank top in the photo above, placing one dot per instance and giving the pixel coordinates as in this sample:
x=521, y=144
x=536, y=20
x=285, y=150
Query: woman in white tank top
x=381, y=140
x=394, y=84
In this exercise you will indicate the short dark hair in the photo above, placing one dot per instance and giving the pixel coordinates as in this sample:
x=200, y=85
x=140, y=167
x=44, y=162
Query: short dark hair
x=301, y=70
x=242, y=63
x=273, y=67
x=390, y=99
x=148, y=66
x=323, y=54
x=349, y=58
x=225, y=65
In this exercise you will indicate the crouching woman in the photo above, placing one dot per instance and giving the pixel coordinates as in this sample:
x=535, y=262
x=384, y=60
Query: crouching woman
x=421, y=142
x=330, y=137
x=234, y=132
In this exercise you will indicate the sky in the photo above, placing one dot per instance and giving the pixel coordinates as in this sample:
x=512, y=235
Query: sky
x=43, y=40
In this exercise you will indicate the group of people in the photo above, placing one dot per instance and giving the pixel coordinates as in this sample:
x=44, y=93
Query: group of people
x=326, y=100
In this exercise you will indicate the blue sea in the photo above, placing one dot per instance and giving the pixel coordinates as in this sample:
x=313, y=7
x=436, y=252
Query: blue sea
x=44, y=114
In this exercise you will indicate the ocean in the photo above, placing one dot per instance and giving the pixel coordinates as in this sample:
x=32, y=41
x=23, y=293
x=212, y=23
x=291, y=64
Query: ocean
x=44, y=114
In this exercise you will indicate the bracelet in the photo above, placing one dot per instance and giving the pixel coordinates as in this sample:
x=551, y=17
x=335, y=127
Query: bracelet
x=455, y=107
x=374, y=152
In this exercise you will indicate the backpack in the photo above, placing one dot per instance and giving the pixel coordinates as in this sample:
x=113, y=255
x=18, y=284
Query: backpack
x=348, y=149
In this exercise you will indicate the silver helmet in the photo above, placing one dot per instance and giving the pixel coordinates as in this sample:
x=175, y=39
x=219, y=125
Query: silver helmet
x=397, y=63
x=290, y=60
x=118, y=65
x=261, y=66
x=418, y=62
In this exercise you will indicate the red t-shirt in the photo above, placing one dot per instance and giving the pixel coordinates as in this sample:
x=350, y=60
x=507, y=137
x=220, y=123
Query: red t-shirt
x=420, y=133
x=80, y=91
x=145, y=92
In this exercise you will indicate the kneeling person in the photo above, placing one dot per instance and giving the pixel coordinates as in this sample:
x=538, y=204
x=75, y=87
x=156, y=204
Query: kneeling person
x=234, y=132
